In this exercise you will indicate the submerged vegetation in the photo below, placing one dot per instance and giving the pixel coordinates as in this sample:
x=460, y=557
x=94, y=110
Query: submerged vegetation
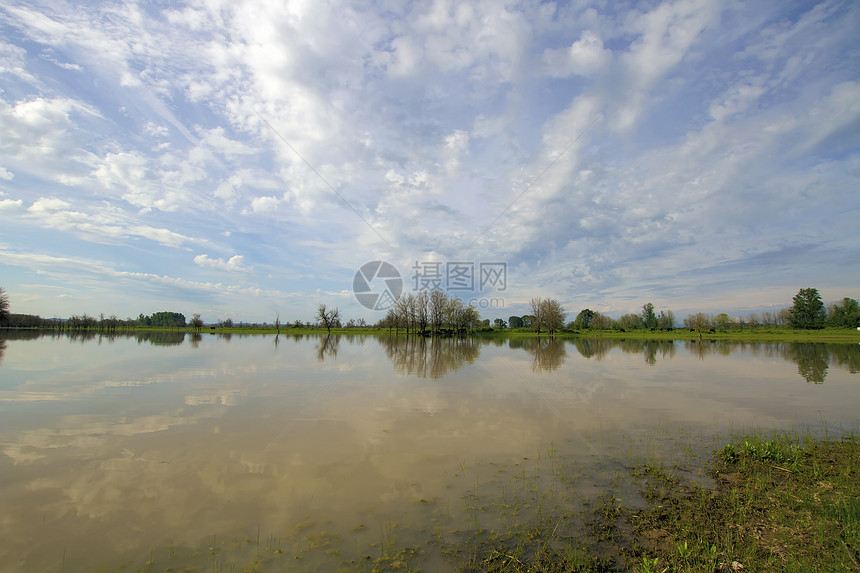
x=783, y=502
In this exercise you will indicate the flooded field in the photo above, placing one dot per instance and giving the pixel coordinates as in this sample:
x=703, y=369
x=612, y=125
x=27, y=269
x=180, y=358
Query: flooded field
x=231, y=453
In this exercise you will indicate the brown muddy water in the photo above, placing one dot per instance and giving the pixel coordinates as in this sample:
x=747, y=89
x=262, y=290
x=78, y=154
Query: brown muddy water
x=220, y=453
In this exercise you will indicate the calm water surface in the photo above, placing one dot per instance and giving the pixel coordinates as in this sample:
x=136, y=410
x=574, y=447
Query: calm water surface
x=324, y=453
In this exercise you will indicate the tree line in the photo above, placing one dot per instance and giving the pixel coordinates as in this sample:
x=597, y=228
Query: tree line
x=431, y=312
x=434, y=312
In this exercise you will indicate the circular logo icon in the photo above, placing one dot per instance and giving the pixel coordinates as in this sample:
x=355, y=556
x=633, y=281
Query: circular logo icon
x=377, y=285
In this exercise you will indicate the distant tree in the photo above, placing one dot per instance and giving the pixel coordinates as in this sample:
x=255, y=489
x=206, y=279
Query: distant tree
x=164, y=318
x=515, y=322
x=528, y=320
x=583, y=319
x=721, y=321
x=846, y=314
x=500, y=323
x=630, y=321
x=278, y=322
x=437, y=309
x=666, y=320
x=4, y=305
x=470, y=318
x=552, y=315
x=422, y=311
x=753, y=320
x=536, y=305
x=698, y=321
x=808, y=309
x=600, y=321
x=328, y=318
x=196, y=322
x=649, y=319
x=783, y=317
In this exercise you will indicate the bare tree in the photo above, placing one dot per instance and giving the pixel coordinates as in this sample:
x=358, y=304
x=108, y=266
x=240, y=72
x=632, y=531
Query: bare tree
x=329, y=318
x=422, y=310
x=600, y=321
x=4, y=305
x=196, y=322
x=698, y=321
x=536, y=304
x=437, y=309
x=551, y=315
x=278, y=322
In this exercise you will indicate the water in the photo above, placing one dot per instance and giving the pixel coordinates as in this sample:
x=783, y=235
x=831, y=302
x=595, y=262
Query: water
x=325, y=453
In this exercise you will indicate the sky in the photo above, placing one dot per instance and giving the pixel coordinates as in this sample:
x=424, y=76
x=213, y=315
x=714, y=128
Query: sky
x=246, y=159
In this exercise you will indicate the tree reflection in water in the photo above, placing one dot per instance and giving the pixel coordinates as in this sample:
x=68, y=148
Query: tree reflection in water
x=548, y=354
x=429, y=357
x=327, y=347
x=436, y=357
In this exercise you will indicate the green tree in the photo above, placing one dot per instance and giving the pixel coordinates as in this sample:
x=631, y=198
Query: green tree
x=846, y=314
x=666, y=320
x=630, y=321
x=722, y=321
x=583, y=319
x=515, y=322
x=4, y=305
x=649, y=319
x=807, y=310
x=500, y=323
x=196, y=322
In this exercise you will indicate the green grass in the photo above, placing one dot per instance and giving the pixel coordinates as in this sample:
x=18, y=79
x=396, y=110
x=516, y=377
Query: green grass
x=778, y=334
x=781, y=503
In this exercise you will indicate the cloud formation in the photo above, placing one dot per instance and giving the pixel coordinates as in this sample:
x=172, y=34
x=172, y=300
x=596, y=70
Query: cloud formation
x=700, y=154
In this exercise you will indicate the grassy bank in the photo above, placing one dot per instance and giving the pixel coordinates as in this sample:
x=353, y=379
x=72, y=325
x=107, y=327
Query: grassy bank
x=780, y=334
x=782, y=503
x=741, y=335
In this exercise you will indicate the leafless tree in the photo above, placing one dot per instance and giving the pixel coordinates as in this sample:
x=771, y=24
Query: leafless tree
x=536, y=304
x=4, y=305
x=437, y=309
x=600, y=321
x=551, y=315
x=422, y=310
x=328, y=318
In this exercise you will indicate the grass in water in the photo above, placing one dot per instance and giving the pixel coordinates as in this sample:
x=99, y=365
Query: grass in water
x=781, y=503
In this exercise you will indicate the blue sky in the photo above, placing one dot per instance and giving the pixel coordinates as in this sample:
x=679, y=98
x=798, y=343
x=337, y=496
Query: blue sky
x=244, y=159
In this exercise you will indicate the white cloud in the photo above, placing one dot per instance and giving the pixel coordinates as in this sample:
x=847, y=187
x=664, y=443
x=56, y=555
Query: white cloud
x=736, y=100
x=592, y=138
x=664, y=35
x=10, y=204
x=584, y=57
x=234, y=263
x=40, y=130
x=264, y=204
x=156, y=130
x=101, y=224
